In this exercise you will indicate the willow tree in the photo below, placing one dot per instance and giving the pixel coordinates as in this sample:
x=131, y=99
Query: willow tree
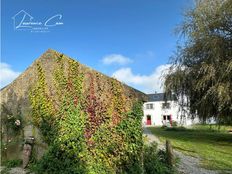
x=201, y=71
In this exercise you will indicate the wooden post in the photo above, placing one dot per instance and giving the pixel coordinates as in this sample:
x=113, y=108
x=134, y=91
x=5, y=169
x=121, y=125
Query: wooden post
x=169, y=152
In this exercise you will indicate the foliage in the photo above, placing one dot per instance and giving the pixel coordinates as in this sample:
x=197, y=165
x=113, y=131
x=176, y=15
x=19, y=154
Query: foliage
x=213, y=148
x=8, y=164
x=12, y=123
x=201, y=70
x=131, y=129
x=95, y=109
x=11, y=133
x=12, y=163
x=85, y=132
x=57, y=161
x=155, y=161
x=42, y=109
x=174, y=124
x=175, y=129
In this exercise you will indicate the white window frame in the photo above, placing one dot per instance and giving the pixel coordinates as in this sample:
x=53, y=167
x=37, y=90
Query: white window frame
x=166, y=105
x=149, y=106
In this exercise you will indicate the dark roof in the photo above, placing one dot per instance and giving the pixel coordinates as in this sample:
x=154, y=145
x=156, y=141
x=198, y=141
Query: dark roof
x=160, y=97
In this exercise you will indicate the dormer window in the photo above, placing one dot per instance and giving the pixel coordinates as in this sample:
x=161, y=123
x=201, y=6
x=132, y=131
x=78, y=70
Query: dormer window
x=149, y=106
x=166, y=105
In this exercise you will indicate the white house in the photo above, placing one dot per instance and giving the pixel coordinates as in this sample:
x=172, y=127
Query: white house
x=158, y=111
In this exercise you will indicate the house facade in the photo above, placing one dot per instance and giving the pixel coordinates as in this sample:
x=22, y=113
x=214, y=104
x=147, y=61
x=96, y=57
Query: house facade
x=158, y=111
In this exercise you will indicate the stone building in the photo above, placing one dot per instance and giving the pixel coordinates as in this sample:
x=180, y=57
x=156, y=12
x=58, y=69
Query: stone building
x=15, y=103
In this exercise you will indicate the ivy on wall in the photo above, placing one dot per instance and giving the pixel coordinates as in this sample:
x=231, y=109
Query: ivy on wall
x=42, y=108
x=95, y=134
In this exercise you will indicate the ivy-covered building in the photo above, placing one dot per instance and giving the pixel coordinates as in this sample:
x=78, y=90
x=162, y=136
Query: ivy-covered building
x=59, y=105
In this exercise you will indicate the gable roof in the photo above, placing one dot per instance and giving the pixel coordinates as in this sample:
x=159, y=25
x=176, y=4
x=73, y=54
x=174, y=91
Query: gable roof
x=22, y=84
x=160, y=97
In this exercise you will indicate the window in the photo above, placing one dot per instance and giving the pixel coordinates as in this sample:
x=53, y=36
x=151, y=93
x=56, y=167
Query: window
x=149, y=106
x=164, y=117
x=167, y=120
x=167, y=117
x=166, y=105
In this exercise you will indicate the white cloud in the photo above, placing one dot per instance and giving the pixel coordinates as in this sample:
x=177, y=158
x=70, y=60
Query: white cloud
x=116, y=59
x=7, y=75
x=146, y=83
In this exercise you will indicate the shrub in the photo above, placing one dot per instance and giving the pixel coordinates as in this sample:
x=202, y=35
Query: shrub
x=174, y=124
x=155, y=161
x=57, y=161
x=163, y=126
x=12, y=163
x=176, y=129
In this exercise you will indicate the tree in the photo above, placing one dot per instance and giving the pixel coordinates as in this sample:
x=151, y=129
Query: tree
x=201, y=71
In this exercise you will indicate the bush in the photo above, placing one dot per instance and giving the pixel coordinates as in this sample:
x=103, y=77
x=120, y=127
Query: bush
x=155, y=161
x=174, y=124
x=163, y=126
x=57, y=161
x=176, y=129
x=12, y=163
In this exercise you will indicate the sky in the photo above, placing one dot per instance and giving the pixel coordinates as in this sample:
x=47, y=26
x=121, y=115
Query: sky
x=131, y=40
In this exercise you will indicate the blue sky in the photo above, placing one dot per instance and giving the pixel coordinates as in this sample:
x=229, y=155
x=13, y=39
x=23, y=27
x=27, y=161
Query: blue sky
x=131, y=40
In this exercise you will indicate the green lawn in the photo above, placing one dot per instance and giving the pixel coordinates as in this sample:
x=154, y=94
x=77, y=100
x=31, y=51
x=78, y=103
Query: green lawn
x=213, y=147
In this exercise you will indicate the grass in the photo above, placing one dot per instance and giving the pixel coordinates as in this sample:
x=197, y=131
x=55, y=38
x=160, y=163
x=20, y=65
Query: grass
x=212, y=146
x=10, y=164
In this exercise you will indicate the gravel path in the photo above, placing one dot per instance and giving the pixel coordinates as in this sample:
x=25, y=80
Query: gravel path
x=150, y=137
x=187, y=164
x=190, y=165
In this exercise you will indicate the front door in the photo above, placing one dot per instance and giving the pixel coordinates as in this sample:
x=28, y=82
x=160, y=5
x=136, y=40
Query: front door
x=148, y=120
